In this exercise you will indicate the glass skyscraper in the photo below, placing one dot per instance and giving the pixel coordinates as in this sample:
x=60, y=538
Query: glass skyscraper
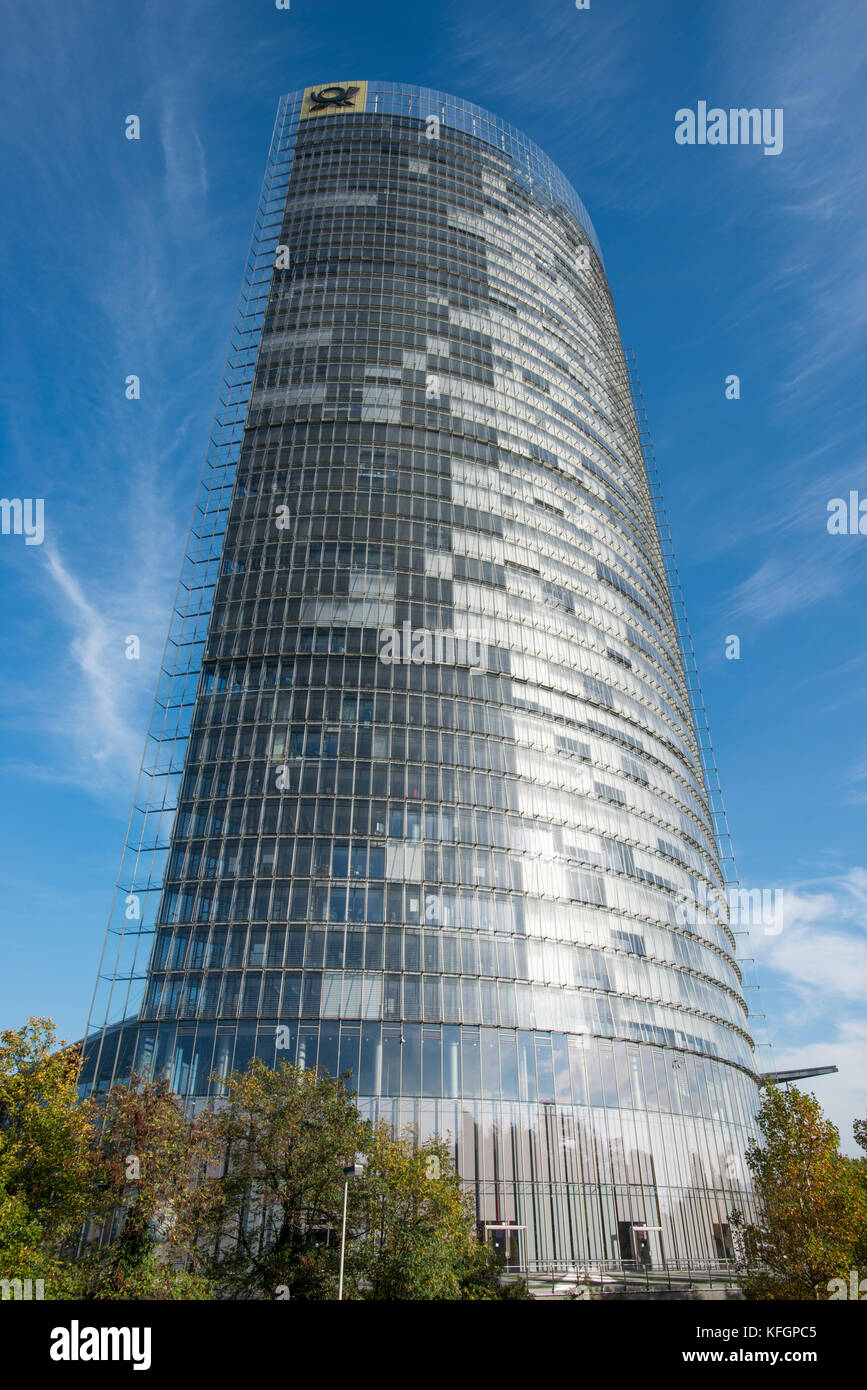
x=423, y=798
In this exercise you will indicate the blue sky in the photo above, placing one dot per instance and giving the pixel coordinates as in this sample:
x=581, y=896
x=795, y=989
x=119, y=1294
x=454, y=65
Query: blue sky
x=126, y=257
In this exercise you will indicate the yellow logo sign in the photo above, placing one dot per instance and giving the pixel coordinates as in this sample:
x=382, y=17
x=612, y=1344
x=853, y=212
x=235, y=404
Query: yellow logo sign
x=333, y=99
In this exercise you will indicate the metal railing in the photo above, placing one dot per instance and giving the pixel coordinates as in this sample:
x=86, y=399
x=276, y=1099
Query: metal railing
x=607, y=1277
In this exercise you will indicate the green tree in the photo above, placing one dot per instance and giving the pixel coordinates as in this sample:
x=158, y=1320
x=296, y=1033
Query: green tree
x=44, y=1141
x=414, y=1226
x=273, y=1214
x=146, y=1162
x=859, y=1130
x=413, y=1220
x=481, y=1277
x=811, y=1204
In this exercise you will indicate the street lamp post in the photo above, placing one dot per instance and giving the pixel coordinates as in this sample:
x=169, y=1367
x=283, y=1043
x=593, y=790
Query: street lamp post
x=350, y=1170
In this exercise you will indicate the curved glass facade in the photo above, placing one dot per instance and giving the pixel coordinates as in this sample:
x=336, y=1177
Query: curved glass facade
x=435, y=813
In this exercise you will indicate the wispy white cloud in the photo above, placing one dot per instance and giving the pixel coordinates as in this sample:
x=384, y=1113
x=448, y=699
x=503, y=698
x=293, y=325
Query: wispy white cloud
x=802, y=324
x=814, y=70
x=815, y=971
x=570, y=71
x=803, y=564
x=88, y=707
x=98, y=722
x=774, y=591
x=132, y=221
x=844, y=1096
x=778, y=588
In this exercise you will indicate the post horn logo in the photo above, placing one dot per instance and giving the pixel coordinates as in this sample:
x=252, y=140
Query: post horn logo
x=333, y=96
x=334, y=99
